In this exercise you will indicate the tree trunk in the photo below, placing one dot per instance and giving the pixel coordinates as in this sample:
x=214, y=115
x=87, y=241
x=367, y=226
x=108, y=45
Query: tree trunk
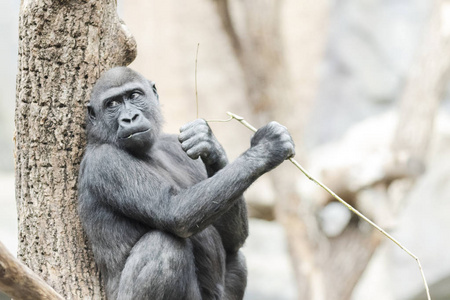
x=63, y=48
x=423, y=93
x=259, y=48
x=260, y=54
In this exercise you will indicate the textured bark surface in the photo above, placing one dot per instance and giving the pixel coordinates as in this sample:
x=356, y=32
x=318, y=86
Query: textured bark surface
x=63, y=48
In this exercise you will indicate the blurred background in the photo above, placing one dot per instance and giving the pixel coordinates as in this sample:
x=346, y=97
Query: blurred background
x=363, y=87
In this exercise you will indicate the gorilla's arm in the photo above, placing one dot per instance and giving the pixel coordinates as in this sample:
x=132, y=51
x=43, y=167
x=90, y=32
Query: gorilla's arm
x=130, y=187
x=197, y=139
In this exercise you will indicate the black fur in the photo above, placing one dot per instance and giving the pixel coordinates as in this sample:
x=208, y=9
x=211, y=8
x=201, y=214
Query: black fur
x=162, y=223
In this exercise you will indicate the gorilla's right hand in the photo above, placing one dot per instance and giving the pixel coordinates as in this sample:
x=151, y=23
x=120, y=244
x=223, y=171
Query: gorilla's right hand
x=272, y=144
x=198, y=140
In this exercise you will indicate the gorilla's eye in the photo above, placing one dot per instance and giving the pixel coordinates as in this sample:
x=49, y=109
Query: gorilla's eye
x=112, y=103
x=134, y=95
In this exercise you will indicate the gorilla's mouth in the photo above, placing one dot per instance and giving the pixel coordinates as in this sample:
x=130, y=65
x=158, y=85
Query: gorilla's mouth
x=129, y=136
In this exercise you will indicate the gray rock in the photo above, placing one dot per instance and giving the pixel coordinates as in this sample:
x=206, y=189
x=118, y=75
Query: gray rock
x=333, y=218
x=270, y=274
x=371, y=46
x=423, y=228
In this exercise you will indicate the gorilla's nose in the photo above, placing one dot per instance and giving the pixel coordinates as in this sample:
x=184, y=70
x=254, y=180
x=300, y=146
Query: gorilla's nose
x=128, y=120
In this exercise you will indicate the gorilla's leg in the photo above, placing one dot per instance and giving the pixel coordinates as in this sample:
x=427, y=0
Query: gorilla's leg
x=160, y=267
x=235, y=277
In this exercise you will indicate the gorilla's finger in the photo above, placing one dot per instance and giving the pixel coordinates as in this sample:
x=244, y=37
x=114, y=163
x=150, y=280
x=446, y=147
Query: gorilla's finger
x=198, y=130
x=195, y=123
x=291, y=149
x=201, y=149
x=191, y=142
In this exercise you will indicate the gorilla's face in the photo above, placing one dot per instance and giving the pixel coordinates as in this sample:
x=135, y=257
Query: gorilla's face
x=124, y=110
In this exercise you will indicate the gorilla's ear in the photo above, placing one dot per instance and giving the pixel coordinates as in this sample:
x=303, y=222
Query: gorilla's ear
x=155, y=91
x=91, y=114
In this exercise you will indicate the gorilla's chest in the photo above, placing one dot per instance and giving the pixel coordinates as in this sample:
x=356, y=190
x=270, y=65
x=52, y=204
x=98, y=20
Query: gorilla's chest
x=178, y=176
x=171, y=164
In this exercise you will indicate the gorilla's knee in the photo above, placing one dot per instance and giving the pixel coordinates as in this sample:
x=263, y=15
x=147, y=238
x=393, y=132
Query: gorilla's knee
x=162, y=266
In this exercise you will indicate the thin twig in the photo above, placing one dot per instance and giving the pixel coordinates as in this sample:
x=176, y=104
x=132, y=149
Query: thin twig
x=219, y=121
x=351, y=208
x=196, y=90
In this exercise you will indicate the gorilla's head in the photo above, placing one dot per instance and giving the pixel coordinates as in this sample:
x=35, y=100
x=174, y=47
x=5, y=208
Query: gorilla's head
x=124, y=111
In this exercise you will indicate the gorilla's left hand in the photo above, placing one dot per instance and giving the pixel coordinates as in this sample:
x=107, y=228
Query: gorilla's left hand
x=198, y=140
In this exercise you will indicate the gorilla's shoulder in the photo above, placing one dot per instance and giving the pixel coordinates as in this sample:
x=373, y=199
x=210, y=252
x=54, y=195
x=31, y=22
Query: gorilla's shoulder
x=102, y=150
x=101, y=154
x=169, y=138
x=168, y=142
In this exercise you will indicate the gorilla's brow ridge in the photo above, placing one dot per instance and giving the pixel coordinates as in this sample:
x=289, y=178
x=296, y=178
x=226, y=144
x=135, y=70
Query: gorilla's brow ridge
x=122, y=90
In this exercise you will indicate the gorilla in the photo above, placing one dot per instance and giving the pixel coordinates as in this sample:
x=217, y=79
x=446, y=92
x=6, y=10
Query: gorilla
x=165, y=215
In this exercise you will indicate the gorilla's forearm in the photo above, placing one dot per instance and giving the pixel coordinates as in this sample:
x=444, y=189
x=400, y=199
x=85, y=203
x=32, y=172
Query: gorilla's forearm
x=233, y=224
x=213, y=168
x=153, y=201
x=212, y=200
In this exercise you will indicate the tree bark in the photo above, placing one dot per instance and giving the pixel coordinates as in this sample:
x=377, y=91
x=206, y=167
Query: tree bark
x=19, y=282
x=64, y=46
x=260, y=54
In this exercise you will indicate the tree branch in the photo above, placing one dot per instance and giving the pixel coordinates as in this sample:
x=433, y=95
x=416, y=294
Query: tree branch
x=19, y=282
x=224, y=13
x=351, y=208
